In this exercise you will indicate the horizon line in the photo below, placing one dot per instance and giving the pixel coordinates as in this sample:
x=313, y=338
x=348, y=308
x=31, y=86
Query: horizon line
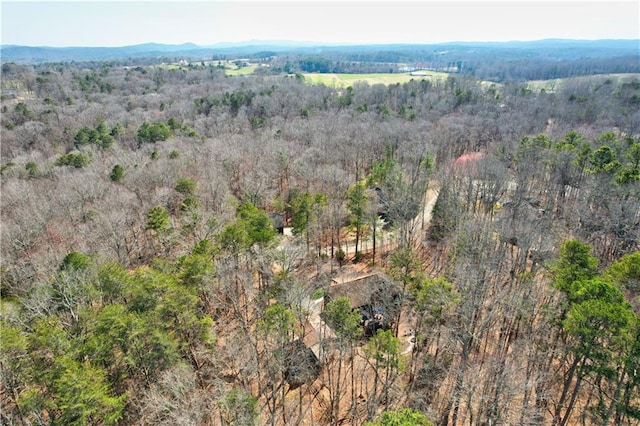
x=251, y=42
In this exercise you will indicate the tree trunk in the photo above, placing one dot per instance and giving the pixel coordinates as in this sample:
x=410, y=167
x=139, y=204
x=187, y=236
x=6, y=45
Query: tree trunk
x=558, y=412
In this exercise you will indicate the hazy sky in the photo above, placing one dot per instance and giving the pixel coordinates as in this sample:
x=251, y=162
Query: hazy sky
x=119, y=23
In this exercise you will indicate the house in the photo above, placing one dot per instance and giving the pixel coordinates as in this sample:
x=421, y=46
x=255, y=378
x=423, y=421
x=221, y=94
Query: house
x=301, y=364
x=468, y=164
x=375, y=295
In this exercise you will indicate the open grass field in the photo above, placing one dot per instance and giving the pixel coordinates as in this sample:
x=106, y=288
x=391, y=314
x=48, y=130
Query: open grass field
x=229, y=67
x=171, y=67
x=344, y=80
x=241, y=71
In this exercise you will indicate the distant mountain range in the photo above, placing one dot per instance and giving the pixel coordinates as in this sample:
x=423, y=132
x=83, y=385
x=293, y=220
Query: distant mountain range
x=41, y=54
x=546, y=48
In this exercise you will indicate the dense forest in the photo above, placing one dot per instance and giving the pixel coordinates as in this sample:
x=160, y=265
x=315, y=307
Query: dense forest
x=184, y=247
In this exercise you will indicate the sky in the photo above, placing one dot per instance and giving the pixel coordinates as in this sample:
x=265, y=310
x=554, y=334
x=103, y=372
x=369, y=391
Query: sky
x=123, y=23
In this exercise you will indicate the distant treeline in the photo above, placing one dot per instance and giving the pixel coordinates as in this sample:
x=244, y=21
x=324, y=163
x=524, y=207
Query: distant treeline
x=499, y=70
x=487, y=61
x=536, y=69
x=499, y=62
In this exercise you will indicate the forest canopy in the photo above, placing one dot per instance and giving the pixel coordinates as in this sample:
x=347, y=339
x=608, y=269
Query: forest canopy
x=184, y=246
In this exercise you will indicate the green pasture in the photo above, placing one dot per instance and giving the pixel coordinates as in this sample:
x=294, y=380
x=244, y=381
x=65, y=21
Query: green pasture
x=229, y=67
x=171, y=67
x=241, y=71
x=344, y=80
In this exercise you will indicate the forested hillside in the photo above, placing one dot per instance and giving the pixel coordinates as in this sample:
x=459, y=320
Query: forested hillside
x=491, y=232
